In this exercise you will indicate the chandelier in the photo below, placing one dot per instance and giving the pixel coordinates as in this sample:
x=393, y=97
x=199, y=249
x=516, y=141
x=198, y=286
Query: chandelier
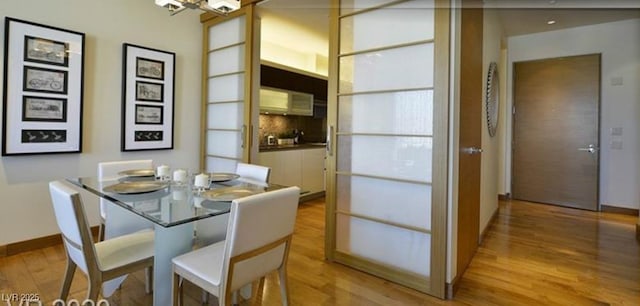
x=220, y=7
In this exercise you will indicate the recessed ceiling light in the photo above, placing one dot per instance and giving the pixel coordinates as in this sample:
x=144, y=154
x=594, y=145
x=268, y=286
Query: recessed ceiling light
x=550, y=22
x=552, y=1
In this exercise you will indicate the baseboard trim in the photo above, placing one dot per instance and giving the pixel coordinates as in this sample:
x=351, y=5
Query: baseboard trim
x=504, y=197
x=35, y=244
x=451, y=288
x=493, y=219
x=311, y=196
x=618, y=210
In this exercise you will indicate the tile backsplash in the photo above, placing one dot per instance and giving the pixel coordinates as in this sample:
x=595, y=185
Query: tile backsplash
x=314, y=128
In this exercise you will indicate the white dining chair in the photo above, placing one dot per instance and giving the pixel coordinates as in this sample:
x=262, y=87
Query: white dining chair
x=258, y=240
x=214, y=229
x=254, y=173
x=101, y=261
x=125, y=223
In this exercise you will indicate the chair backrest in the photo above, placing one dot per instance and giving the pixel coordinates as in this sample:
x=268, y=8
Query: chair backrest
x=72, y=221
x=253, y=172
x=109, y=171
x=258, y=236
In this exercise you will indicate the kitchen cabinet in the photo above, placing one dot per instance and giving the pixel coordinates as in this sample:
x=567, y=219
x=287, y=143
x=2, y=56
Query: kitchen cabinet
x=303, y=168
x=313, y=170
x=279, y=101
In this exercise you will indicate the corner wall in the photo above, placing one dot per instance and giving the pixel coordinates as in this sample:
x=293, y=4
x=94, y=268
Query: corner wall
x=25, y=208
x=619, y=45
x=492, y=33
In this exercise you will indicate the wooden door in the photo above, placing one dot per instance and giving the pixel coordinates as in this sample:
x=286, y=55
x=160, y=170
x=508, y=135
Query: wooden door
x=556, y=130
x=471, y=79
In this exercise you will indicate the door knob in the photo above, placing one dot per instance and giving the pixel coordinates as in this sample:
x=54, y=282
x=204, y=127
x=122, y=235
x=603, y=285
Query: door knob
x=591, y=149
x=471, y=150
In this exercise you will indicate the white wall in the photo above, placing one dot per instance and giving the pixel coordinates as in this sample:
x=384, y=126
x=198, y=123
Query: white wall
x=492, y=35
x=25, y=209
x=619, y=45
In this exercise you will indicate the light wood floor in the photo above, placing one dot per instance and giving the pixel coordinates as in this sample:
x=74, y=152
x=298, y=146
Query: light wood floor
x=533, y=254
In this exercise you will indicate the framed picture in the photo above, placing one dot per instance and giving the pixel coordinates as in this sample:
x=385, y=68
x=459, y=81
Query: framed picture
x=148, y=114
x=148, y=77
x=151, y=92
x=45, y=80
x=148, y=68
x=44, y=109
x=43, y=89
x=46, y=51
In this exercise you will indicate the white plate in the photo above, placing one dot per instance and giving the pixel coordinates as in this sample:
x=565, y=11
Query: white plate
x=136, y=187
x=137, y=172
x=230, y=193
x=223, y=177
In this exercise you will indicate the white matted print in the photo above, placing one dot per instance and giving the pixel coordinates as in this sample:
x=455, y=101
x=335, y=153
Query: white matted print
x=43, y=89
x=147, y=98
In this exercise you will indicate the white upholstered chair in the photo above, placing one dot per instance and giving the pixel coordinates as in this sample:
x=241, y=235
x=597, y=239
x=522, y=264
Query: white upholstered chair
x=214, y=229
x=125, y=223
x=102, y=261
x=258, y=240
x=254, y=173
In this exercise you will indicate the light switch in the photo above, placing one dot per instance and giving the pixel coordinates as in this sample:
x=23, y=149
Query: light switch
x=617, y=81
x=616, y=145
x=616, y=131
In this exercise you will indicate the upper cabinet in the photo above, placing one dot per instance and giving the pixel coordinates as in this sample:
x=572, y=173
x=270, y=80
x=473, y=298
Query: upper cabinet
x=287, y=92
x=280, y=101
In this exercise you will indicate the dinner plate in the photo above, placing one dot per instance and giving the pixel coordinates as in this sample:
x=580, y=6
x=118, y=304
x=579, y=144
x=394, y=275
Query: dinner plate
x=230, y=193
x=223, y=177
x=136, y=187
x=137, y=172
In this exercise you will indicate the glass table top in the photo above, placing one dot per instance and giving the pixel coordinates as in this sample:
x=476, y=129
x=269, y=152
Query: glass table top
x=170, y=204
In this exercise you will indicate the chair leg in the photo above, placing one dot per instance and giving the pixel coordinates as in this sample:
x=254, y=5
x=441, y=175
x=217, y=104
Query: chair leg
x=93, y=290
x=101, y=232
x=177, y=290
x=148, y=279
x=68, y=277
x=284, y=291
x=259, y=291
x=205, y=297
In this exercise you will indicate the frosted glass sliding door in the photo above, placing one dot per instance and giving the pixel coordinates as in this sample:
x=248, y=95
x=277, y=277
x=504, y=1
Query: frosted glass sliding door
x=227, y=94
x=388, y=142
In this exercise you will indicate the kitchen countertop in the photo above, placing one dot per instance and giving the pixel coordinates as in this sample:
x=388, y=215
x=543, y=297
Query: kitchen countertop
x=302, y=146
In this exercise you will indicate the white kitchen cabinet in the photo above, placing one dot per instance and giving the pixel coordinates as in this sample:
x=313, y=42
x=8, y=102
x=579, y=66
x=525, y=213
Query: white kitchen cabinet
x=303, y=168
x=280, y=101
x=301, y=104
x=313, y=170
x=274, y=101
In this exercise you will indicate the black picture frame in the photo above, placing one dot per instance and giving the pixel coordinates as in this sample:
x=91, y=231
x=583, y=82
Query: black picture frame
x=150, y=92
x=46, y=51
x=147, y=98
x=43, y=89
x=149, y=68
x=48, y=109
x=38, y=79
x=149, y=114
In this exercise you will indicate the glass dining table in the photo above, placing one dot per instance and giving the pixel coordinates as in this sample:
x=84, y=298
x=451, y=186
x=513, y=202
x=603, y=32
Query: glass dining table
x=173, y=210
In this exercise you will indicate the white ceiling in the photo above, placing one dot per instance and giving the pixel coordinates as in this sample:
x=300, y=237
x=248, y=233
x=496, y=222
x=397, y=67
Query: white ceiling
x=517, y=16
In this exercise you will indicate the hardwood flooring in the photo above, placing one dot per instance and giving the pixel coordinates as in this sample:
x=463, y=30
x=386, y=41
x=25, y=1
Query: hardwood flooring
x=533, y=254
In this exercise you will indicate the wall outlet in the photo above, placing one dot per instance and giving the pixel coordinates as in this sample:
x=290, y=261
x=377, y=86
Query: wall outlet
x=617, y=81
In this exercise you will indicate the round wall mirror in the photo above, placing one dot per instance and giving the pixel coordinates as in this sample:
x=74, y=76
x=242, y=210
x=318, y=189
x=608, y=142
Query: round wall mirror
x=492, y=100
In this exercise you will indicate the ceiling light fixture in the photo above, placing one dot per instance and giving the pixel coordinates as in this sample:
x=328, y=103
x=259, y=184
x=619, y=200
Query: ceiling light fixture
x=220, y=7
x=550, y=22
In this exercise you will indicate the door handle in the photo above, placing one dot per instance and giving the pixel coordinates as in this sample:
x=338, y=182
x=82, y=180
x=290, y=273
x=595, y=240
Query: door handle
x=591, y=149
x=471, y=150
